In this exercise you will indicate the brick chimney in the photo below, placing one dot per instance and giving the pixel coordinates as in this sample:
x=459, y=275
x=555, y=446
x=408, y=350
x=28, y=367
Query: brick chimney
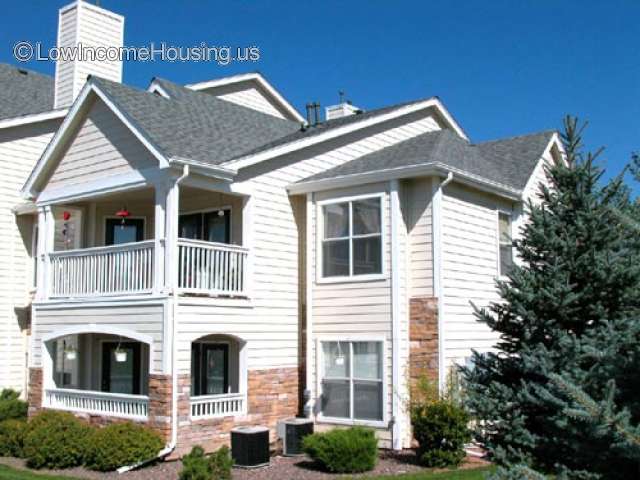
x=91, y=26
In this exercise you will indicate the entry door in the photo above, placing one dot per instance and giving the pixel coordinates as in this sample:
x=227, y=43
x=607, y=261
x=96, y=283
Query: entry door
x=210, y=368
x=117, y=233
x=124, y=376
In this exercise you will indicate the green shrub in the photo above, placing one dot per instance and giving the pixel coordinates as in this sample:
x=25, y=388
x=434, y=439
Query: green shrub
x=349, y=450
x=197, y=466
x=11, y=407
x=221, y=463
x=12, y=437
x=55, y=440
x=121, y=444
x=441, y=431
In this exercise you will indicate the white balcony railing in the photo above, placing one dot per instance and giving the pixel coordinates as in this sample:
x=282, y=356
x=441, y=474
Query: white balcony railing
x=215, y=406
x=134, y=407
x=212, y=268
x=99, y=271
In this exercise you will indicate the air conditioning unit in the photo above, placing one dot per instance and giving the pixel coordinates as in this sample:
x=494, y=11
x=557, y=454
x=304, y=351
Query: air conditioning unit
x=250, y=446
x=292, y=431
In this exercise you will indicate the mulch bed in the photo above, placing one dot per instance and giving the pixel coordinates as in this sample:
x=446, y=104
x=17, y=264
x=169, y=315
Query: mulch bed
x=280, y=468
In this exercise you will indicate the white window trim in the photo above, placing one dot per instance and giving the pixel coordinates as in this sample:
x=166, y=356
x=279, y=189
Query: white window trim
x=320, y=418
x=320, y=236
x=510, y=214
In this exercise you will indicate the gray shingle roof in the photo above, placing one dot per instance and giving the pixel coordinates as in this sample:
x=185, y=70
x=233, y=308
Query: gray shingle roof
x=509, y=162
x=314, y=130
x=24, y=92
x=196, y=125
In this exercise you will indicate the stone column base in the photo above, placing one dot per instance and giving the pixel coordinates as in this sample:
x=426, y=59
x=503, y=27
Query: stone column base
x=34, y=396
x=423, y=339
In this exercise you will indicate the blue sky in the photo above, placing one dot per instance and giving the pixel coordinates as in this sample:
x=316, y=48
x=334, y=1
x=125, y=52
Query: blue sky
x=502, y=67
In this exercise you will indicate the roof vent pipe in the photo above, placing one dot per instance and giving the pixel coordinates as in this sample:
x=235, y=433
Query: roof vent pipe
x=309, y=107
x=316, y=113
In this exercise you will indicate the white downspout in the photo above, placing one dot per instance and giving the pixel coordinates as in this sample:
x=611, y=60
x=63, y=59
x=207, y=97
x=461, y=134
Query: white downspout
x=438, y=288
x=174, y=371
x=394, y=206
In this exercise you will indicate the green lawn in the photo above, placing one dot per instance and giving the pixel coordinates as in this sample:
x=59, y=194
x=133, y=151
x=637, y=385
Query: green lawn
x=474, y=474
x=7, y=473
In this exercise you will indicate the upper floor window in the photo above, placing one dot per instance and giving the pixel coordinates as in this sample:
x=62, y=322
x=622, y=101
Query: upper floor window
x=352, y=238
x=506, y=243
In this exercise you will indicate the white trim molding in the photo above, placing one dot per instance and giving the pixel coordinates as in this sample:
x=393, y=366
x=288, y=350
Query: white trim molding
x=261, y=81
x=98, y=328
x=274, y=152
x=34, y=118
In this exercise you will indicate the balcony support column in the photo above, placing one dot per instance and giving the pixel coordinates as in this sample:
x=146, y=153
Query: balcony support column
x=159, y=246
x=46, y=236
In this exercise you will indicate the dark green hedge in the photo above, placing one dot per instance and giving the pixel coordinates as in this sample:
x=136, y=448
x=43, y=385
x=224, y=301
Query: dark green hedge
x=348, y=450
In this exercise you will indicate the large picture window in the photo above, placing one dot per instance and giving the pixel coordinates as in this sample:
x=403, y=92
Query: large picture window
x=352, y=385
x=506, y=243
x=352, y=238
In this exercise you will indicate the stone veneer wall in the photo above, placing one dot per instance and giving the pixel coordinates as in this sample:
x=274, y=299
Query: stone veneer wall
x=272, y=396
x=423, y=339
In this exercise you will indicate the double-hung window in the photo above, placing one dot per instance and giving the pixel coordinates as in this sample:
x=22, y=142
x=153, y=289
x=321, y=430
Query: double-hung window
x=352, y=385
x=505, y=241
x=352, y=238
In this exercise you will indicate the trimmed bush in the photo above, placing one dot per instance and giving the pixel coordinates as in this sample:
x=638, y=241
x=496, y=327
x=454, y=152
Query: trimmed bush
x=441, y=431
x=55, y=440
x=121, y=444
x=350, y=450
x=221, y=463
x=11, y=407
x=12, y=437
x=197, y=466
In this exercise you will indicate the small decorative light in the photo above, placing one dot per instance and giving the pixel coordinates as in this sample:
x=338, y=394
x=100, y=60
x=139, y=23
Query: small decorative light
x=121, y=356
x=70, y=353
x=123, y=213
x=340, y=360
x=66, y=215
x=221, y=213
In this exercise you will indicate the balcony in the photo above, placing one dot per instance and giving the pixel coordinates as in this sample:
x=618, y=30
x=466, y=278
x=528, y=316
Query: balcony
x=91, y=249
x=205, y=268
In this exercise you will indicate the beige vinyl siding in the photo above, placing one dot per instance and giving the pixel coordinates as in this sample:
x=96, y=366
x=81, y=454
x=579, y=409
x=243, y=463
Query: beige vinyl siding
x=147, y=319
x=92, y=27
x=20, y=148
x=418, y=217
x=65, y=69
x=103, y=146
x=270, y=325
x=248, y=94
x=469, y=268
x=354, y=309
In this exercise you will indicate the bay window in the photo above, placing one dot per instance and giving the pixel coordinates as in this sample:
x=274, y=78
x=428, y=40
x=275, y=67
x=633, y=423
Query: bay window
x=352, y=380
x=352, y=238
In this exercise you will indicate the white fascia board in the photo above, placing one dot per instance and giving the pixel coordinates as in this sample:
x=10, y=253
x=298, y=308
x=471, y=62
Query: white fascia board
x=59, y=138
x=410, y=171
x=155, y=87
x=554, y=141
x=249, y=160
x=247, y=77
x=35, y=118
x=25, y=208
x=206, y=169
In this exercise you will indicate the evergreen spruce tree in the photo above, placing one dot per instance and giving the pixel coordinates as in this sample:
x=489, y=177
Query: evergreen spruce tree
x=569, y=333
